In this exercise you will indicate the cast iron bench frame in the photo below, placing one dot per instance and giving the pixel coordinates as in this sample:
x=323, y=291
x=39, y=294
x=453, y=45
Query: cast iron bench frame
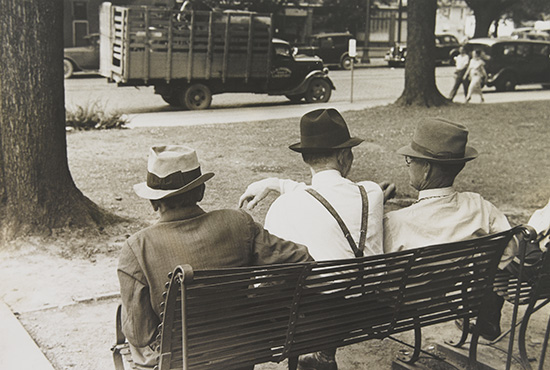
x=520, y=291
x=237, y=317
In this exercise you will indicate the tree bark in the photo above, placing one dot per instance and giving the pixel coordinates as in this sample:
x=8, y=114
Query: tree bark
x=420, y=88
x=38, y=193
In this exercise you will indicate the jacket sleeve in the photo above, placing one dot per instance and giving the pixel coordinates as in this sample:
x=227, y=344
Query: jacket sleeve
x=139, y=321
x=268, y=249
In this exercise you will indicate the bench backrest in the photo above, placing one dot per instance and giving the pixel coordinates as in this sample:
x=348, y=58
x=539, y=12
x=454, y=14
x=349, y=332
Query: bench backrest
x=230, y=318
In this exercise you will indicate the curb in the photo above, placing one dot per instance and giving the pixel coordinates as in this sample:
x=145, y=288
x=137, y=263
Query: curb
x=19, y=351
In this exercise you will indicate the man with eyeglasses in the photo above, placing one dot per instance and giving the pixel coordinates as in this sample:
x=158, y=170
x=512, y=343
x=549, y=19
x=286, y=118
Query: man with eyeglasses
x=436, y=155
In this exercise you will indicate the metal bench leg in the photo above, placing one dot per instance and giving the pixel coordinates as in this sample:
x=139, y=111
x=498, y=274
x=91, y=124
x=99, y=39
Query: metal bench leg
x=464, y=336
x=417, y=348
x=293, y=363
x=472, y=359
x=521, y=336
x=544, y=345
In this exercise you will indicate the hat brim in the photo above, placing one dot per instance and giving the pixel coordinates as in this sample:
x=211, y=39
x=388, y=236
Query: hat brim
x=144, y=191
x=354, y=141
x=469, y=154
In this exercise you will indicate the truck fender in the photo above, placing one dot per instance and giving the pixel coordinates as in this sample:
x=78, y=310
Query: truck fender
x=301, y=89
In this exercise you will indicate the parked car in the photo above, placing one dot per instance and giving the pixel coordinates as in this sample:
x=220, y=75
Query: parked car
x=82, y=58
x=512, y=62
x=446, y=49
x=332, y=48
x=530, y=33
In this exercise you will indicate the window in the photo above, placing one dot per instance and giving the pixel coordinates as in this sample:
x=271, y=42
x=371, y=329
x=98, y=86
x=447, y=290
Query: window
x=541, y=49
x=80, y=10
x=326, y=43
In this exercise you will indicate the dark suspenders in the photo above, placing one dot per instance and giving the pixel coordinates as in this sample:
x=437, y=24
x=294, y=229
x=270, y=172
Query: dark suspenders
x=357, y=250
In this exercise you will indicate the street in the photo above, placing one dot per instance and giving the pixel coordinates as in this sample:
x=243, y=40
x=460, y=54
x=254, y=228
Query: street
x=372, y=87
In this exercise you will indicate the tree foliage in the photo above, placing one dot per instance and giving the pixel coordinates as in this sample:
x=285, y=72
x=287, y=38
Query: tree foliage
x=488, y=11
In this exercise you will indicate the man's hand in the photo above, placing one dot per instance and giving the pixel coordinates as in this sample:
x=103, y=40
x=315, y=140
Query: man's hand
x=388, y=189
x=257, y=191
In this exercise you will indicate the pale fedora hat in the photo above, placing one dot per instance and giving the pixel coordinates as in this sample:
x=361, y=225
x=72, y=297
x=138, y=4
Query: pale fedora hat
x=440, y=140
x=171, y=170
x=323, y=129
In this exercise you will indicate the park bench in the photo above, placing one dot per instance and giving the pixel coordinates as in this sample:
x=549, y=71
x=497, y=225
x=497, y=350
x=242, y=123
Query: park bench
x=524, y=289
x=237, y=317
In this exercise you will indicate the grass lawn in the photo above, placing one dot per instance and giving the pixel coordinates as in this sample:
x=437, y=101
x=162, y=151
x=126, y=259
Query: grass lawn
x=511, y=170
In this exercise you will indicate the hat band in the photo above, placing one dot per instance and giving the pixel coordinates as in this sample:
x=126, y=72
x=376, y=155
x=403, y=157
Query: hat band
x=173, y=181
x=439, y=155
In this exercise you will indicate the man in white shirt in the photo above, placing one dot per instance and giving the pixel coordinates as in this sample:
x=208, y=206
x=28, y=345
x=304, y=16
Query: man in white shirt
x=317, y=215
x=462, y=61
x=436, y=155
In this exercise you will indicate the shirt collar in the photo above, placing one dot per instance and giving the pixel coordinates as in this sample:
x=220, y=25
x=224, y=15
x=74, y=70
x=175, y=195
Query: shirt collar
x=181, y=213
x=326, y=176
x=439, y=192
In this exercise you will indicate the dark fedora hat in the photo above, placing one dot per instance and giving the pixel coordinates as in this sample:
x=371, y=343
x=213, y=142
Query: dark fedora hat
x=440, y=140
x=171, y=170
x=324, y=129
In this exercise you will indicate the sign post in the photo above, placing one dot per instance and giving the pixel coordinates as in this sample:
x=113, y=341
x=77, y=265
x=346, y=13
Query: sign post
x=352, y=52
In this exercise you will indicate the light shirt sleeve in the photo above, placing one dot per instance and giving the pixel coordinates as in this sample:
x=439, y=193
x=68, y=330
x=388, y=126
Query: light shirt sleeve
x=286, y=186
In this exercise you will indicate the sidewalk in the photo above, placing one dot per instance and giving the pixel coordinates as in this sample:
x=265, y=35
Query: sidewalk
x=19, y=351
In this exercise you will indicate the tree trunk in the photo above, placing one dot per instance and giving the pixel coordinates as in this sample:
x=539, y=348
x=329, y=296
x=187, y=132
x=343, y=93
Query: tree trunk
x=420, y=88
x=486, y=12
x=37, y=190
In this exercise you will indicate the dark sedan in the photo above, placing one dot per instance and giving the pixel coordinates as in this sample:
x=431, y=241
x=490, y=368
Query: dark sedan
x=446, y=48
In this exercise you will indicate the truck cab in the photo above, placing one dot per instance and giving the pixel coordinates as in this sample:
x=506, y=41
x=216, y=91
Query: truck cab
x=298, y=76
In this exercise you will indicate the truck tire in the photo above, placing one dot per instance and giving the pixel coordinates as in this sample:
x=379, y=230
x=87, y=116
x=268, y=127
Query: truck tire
x=68, y=68
x=318, y=91
x=197, y=96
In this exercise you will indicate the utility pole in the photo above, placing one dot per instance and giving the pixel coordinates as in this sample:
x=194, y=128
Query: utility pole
x=399, y=20
x=367, y=33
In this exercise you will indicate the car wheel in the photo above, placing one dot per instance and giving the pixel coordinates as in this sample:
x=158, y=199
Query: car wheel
x=506, y=83
x=346, y=62
x=295, y=98
x=318, y=91
x=196, y=97
x=68, y=68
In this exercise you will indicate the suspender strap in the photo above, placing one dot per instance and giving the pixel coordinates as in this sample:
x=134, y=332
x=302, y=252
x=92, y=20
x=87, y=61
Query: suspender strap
x=358, y=251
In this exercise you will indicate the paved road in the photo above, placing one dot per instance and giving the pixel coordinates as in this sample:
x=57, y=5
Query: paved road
x=372, y=87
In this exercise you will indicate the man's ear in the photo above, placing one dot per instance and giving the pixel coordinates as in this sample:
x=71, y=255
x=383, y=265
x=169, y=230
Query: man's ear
x=428, y=168
x=155, y=204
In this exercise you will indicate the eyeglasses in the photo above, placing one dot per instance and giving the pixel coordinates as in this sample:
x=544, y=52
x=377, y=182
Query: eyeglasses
x=408, y=160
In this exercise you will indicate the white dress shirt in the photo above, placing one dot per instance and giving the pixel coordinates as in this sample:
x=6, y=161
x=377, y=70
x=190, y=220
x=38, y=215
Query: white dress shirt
x=540, y=220
x=444, y=216
x=297, y=216
x=461, y=62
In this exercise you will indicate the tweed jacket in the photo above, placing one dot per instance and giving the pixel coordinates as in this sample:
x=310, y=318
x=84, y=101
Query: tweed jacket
x=223, y=238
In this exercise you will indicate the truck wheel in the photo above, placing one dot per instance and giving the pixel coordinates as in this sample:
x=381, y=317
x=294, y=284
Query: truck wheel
x=68, y=68
x=197, y=96
x=294, y=98
x=318, y=91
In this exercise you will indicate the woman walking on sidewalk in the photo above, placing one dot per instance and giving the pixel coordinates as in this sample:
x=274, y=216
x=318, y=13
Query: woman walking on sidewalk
x=477, y=75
